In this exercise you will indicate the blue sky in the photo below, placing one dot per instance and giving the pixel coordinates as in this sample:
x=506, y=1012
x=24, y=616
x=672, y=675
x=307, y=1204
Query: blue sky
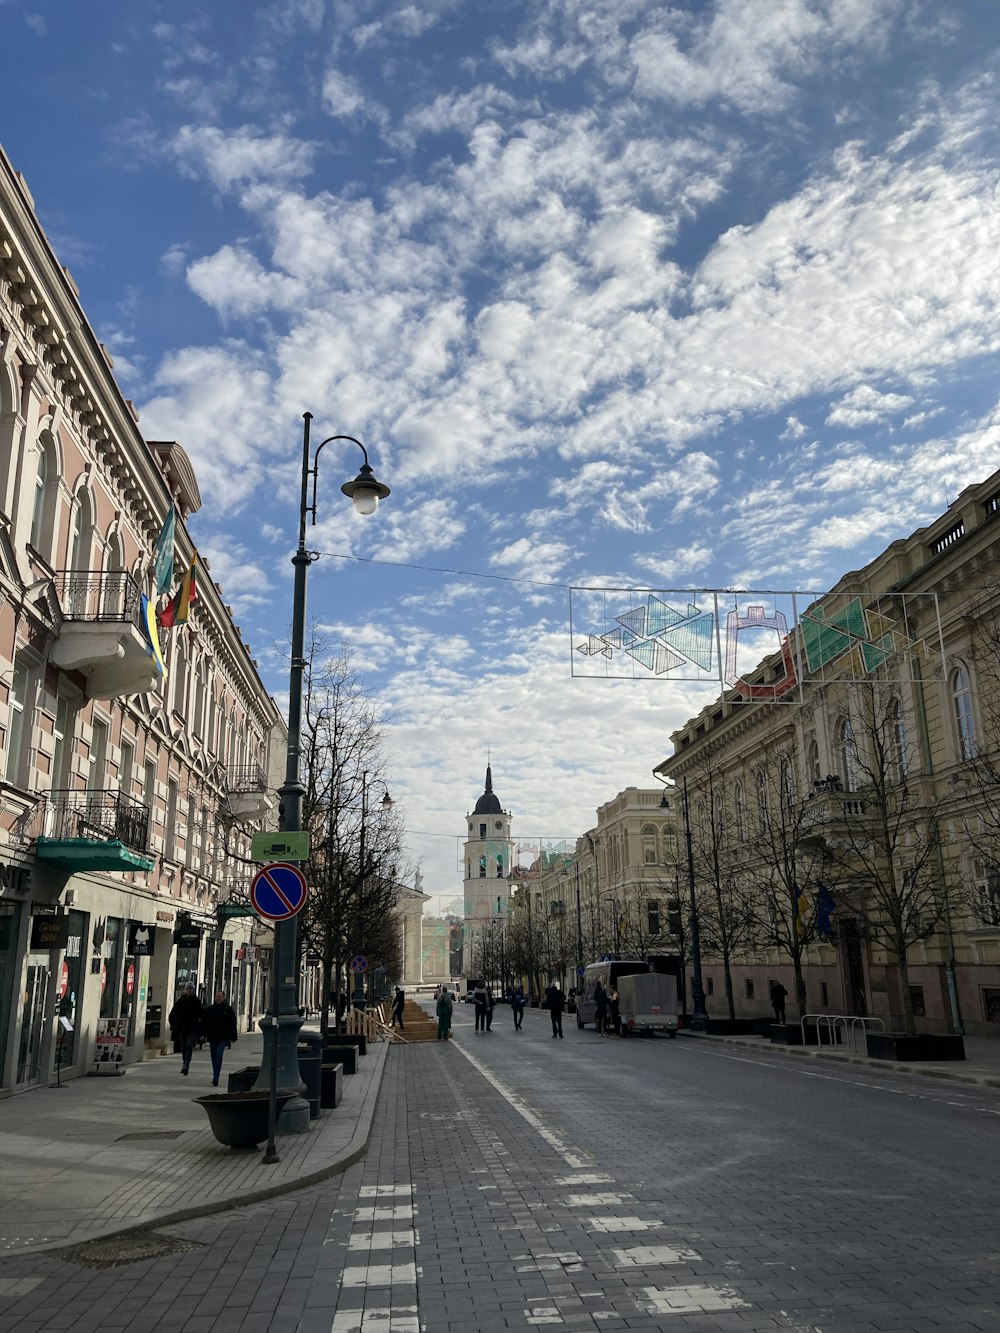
x=621, y=294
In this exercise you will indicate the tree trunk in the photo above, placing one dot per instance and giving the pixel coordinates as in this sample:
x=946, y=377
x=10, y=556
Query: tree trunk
x=909, y=1018
x=730, y=998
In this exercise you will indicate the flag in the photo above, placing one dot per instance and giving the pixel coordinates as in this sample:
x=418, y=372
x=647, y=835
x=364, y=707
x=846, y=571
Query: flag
x=824, y=909
x=148, y=617
x=163, y=556
x=802, y=906
x=176, y=610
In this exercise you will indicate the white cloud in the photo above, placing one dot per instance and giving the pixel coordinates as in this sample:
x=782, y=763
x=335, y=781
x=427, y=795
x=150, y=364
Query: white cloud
x=241, y=156
x=865, y=405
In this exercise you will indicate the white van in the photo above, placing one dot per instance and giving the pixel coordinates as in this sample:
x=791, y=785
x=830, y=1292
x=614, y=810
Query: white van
x=647, y=1000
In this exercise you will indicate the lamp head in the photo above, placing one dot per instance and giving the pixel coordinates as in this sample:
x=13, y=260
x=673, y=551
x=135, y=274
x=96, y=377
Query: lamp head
x=365, y=490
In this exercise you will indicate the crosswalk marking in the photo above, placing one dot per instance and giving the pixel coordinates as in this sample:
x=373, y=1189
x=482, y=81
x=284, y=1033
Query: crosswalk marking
x=687, y=1300
x=380, y=1275
x=386, y=1192
x=382, y=1240
x=611, y=1224
x=648, y=1256
x=402, y=1212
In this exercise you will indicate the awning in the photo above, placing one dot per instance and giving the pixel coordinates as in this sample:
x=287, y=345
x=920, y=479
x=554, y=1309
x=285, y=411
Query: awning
x=74, y=854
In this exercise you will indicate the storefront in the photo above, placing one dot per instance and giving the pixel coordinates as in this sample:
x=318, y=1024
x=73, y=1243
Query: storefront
x=10, y=931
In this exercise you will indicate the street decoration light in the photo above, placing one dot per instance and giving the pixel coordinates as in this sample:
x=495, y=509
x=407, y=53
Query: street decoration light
x=281, y=1023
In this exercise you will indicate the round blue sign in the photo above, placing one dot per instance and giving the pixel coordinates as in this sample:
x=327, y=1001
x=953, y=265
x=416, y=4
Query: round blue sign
x=359, y=964
x=278, y=891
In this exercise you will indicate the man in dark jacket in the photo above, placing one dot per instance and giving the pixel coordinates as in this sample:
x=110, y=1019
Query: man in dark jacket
x=185, y=1024
x=219, y=1026
x=556, y=1001
x=398, y=1005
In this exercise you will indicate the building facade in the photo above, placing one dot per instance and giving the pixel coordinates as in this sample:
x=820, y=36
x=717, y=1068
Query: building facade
x=843, y=802
x=133, y=772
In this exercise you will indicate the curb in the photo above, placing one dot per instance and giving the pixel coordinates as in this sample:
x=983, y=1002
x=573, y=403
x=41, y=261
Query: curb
x=356, y=1149
x=859, y=1061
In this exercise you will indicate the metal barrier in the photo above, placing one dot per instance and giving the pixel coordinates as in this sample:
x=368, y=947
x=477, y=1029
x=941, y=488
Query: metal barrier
x=852, y=1024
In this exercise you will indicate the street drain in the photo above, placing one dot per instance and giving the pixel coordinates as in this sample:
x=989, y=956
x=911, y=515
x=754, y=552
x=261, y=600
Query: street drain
x=118, y=1250
x=150, y=1134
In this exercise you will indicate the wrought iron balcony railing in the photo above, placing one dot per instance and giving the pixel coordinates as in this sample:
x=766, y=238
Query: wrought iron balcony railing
x=96, y=595
x=97, y=816
x=245, y=778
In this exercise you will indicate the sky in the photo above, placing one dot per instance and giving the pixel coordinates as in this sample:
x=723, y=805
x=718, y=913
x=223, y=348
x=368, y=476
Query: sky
x=618, y=296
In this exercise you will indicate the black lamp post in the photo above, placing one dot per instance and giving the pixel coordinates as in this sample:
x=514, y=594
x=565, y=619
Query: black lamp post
x=699, y=1014
x=281, y=1023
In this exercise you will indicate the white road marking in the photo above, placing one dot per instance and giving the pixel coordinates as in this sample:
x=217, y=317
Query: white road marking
x=611, y=1224
x=648, y=1256
x=385, y=1192
x=376, y=1321
x=585, y=1178
x=402, y=1212
x=687, y=1300
x=380, y=1275
x=383, y=1240
x=553, y=1139
x=543, y=1314
x=606, y=1200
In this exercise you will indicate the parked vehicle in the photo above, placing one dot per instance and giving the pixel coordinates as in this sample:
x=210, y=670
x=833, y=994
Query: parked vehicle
x=648, y=1003
x=608, y=974
x=470, y=985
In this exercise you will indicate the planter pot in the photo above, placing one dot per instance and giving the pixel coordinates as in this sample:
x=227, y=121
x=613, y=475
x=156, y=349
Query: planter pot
x=924, y=1046
x=239, y=1119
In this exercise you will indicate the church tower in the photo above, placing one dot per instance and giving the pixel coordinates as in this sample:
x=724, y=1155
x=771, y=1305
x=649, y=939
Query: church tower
x=488, y=858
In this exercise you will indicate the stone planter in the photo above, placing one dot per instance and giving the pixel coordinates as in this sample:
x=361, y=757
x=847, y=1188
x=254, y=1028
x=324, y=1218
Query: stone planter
x=924, y=1046
x=239, y=1119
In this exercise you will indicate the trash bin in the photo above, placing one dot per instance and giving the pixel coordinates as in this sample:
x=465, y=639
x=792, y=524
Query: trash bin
x=310, y=1052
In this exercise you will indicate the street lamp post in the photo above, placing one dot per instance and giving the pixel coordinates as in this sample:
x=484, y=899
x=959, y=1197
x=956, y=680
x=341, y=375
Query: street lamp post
x=281, y=1024
x=579, y=929
x=699, y=1014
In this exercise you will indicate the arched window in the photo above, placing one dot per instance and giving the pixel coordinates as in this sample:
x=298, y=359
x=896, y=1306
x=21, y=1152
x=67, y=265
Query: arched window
x=44, y=497
x=788, y=792
x=763, y=806
x=965, y=722
x=648, y=836
x=178, y=669
x=740, y=811
x=113, y=599
x=812, y=761
x=848, y=749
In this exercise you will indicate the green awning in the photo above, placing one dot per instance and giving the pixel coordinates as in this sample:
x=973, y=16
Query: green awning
x=86, y=854
x=226, y=910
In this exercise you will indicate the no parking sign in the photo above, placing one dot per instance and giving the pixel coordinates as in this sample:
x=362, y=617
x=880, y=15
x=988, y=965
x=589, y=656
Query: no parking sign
x=278, y=891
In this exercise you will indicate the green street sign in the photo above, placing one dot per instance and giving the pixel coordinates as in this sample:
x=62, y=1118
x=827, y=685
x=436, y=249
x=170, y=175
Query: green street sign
x=280, y=846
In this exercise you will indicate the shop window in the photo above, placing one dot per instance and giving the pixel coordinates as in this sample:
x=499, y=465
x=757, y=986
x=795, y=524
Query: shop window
x=991, y=1004
x=917, y=1001
x=108, y=939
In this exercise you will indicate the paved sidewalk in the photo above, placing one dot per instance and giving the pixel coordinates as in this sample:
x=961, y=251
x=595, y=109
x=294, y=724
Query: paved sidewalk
x=92, y=1159
x=981, y=1064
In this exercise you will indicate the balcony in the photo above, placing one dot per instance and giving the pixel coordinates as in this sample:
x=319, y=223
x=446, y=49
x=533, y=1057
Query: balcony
x=102, y=633
x=246, y=791
x=833, y=813
x=89, y=830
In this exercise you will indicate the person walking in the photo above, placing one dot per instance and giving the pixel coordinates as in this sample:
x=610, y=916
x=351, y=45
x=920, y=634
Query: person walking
x=778, y=994
x=489, y=1009
x=398, y=1004
x=517, y=1007
x=614, y=1012
x=185, y=1024
x=479, y=1001
x=218, y=1023
x=601, y=1007
x=444, y=1009
x=557, y=1002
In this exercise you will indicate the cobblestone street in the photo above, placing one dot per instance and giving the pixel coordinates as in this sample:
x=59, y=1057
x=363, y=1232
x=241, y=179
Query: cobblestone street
x=512, y=1184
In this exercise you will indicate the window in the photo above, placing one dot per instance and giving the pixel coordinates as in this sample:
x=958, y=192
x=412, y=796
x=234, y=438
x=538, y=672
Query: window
x=812, y=762
x=81, y=533
x=986, y=891
x=126, y=769
x=739, y=807
x=897, y=742
x=16, y=700
x=653, y=916
x=917, y=1001
x=991, y=1004
x=98, y=755
x=748, y=984
x=482, y=867
x=189, y=856
x=170, y=824
x=961, y=701
x=824, y=994
x=848, y=749
x=43, y=499
x=649, y=845
x=709, y=985
x=482, y=830
x=199, y=702
x=787, y=784
x=763, y=811
x=62, y=744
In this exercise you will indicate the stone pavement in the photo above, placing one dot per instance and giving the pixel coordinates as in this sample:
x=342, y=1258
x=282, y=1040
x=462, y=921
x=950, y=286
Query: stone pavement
x=105, y=1155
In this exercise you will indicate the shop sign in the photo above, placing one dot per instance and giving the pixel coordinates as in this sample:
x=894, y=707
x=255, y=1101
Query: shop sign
x=49, y=932
x=187, y=937
x=63, y=980
x=130, y=979
x=166, y=917
x=141, y=940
